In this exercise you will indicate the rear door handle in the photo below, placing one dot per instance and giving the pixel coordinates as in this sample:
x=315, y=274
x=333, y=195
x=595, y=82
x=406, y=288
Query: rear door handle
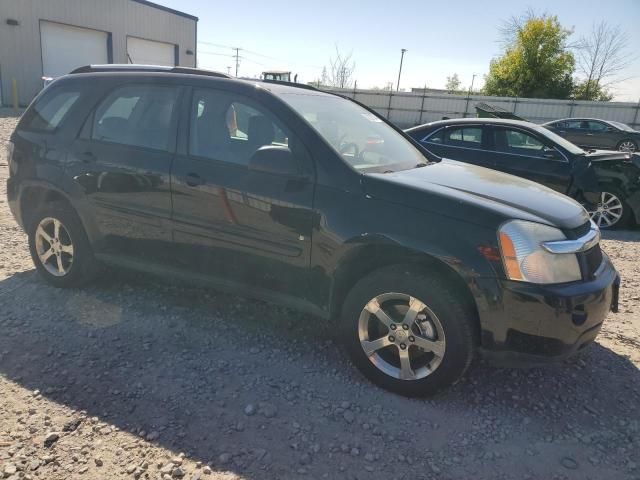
x=193, y=179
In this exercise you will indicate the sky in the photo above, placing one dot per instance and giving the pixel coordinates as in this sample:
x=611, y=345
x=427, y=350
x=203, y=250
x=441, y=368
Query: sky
x=441, y=38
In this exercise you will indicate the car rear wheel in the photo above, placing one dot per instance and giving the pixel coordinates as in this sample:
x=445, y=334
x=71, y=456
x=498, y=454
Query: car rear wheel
x=611, y=211
x=407, y=332
x=59, y=247
x=627, y=146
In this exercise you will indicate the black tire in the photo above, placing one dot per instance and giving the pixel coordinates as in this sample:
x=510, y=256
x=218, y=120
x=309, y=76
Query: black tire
x=627, y=140
x=84, y=266
x=458, y=321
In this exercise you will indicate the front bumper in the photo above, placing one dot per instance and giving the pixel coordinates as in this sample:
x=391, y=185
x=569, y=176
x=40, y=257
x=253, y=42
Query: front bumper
x=547, y=323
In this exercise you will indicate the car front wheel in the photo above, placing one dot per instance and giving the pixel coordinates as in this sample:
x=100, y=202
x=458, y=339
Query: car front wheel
x=611, y=211
x=407, y=331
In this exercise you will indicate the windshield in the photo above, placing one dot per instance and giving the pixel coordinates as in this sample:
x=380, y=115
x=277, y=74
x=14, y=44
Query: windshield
x=362, y=139
x=566, y=144
x=622, y=126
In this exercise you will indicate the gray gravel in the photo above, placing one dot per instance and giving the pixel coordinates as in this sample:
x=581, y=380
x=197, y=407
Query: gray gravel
x=129, y=378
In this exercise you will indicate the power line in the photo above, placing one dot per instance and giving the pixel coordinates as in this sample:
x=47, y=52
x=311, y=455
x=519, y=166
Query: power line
x=257, y=54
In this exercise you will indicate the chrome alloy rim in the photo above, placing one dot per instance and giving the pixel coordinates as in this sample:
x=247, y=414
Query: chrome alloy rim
x=54, y=246
x=608, y=211
x=401, y=336
x=627, y=146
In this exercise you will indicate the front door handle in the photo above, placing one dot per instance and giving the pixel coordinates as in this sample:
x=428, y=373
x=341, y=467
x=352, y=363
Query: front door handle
x=193, y=179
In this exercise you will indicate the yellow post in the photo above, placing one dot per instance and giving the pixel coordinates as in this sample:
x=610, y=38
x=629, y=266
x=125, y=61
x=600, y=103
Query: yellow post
x=14, y=94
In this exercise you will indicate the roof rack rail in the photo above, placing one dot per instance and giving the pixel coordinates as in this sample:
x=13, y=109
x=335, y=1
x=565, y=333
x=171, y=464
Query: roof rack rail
x=290, y=84
x=115, y=67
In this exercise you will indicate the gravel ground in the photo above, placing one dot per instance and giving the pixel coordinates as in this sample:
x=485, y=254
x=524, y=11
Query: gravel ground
x=129, y=378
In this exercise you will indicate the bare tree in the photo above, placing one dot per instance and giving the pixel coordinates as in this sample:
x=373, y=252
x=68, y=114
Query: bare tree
x=510, y=27
x=601, y=57
x=341, y=70
x=453, y=84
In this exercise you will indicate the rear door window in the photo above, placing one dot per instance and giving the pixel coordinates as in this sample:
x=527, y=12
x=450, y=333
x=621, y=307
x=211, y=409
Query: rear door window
x=137, y=115
x=576, y=124
x=469, y=137
x=49, y=111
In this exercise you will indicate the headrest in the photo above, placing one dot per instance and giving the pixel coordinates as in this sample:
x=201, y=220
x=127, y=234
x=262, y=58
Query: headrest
x=261, y=131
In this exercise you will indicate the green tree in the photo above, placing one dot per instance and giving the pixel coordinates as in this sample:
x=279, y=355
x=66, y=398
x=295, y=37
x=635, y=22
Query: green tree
x=453, y=84
x=591, y=90
x=536, y=61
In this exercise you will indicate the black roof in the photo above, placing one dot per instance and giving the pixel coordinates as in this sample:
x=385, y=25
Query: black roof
x=475, y=121
x=130, y=69
x=127, y=67
x=166, y=9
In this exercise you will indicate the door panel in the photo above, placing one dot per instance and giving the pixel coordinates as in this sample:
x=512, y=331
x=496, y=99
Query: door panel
x=123, y=162
x=600, y=136
x=522, y=154
x=248, y=227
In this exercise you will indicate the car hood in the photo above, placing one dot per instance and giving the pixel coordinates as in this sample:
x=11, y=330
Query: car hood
x=607, y=155
x=461, y=190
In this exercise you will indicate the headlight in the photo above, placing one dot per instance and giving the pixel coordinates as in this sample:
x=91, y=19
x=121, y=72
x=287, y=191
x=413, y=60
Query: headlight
x=525, y=259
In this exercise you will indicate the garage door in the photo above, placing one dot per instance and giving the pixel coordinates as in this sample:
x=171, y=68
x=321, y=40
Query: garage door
x=148, y=52
x=65, y=47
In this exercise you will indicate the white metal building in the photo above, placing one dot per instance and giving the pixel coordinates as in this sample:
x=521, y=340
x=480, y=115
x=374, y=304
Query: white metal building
x=48, y=38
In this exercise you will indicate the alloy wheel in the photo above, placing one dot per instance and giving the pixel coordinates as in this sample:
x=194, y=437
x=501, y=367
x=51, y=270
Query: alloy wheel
x=627, y=146
x=608, y=211
x=54, y=246
x=401, y=336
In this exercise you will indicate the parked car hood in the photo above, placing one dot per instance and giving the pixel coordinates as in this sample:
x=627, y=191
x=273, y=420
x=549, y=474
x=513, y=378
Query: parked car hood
x=447, y=187
x=604, y=155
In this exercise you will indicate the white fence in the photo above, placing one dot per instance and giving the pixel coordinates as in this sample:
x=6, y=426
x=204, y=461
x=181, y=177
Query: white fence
x=408, y=109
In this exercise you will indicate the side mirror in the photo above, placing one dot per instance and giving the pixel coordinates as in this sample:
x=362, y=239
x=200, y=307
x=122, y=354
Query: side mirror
x=610, y=129
x=276, y=160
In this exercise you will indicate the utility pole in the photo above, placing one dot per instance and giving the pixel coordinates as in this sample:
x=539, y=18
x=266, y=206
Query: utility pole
x=237, y=56
x=400, y=70
x=466, y=107
x=471, y=87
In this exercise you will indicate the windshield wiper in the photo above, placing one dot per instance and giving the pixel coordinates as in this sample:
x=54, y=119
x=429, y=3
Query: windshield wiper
x=420, y=165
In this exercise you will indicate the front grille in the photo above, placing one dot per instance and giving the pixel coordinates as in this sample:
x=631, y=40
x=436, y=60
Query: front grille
x=590, y=262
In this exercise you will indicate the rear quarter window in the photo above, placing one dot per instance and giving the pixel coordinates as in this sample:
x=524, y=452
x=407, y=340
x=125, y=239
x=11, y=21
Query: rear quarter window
x=49, y=111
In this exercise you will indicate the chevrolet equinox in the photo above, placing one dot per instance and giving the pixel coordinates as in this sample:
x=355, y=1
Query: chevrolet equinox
x=292, y=195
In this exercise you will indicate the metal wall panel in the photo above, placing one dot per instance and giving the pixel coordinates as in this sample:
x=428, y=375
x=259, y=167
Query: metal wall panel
x=409, y=109
x=20, y=51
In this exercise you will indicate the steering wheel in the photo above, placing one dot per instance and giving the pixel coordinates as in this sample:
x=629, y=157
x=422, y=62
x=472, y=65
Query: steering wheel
x=345, y=147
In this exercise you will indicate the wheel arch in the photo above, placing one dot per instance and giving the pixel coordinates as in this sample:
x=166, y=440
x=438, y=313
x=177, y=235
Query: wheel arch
x=364, y=260
x=33, y=195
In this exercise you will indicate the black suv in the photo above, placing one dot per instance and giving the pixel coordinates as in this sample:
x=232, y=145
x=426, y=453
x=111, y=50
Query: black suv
x=309, y=199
